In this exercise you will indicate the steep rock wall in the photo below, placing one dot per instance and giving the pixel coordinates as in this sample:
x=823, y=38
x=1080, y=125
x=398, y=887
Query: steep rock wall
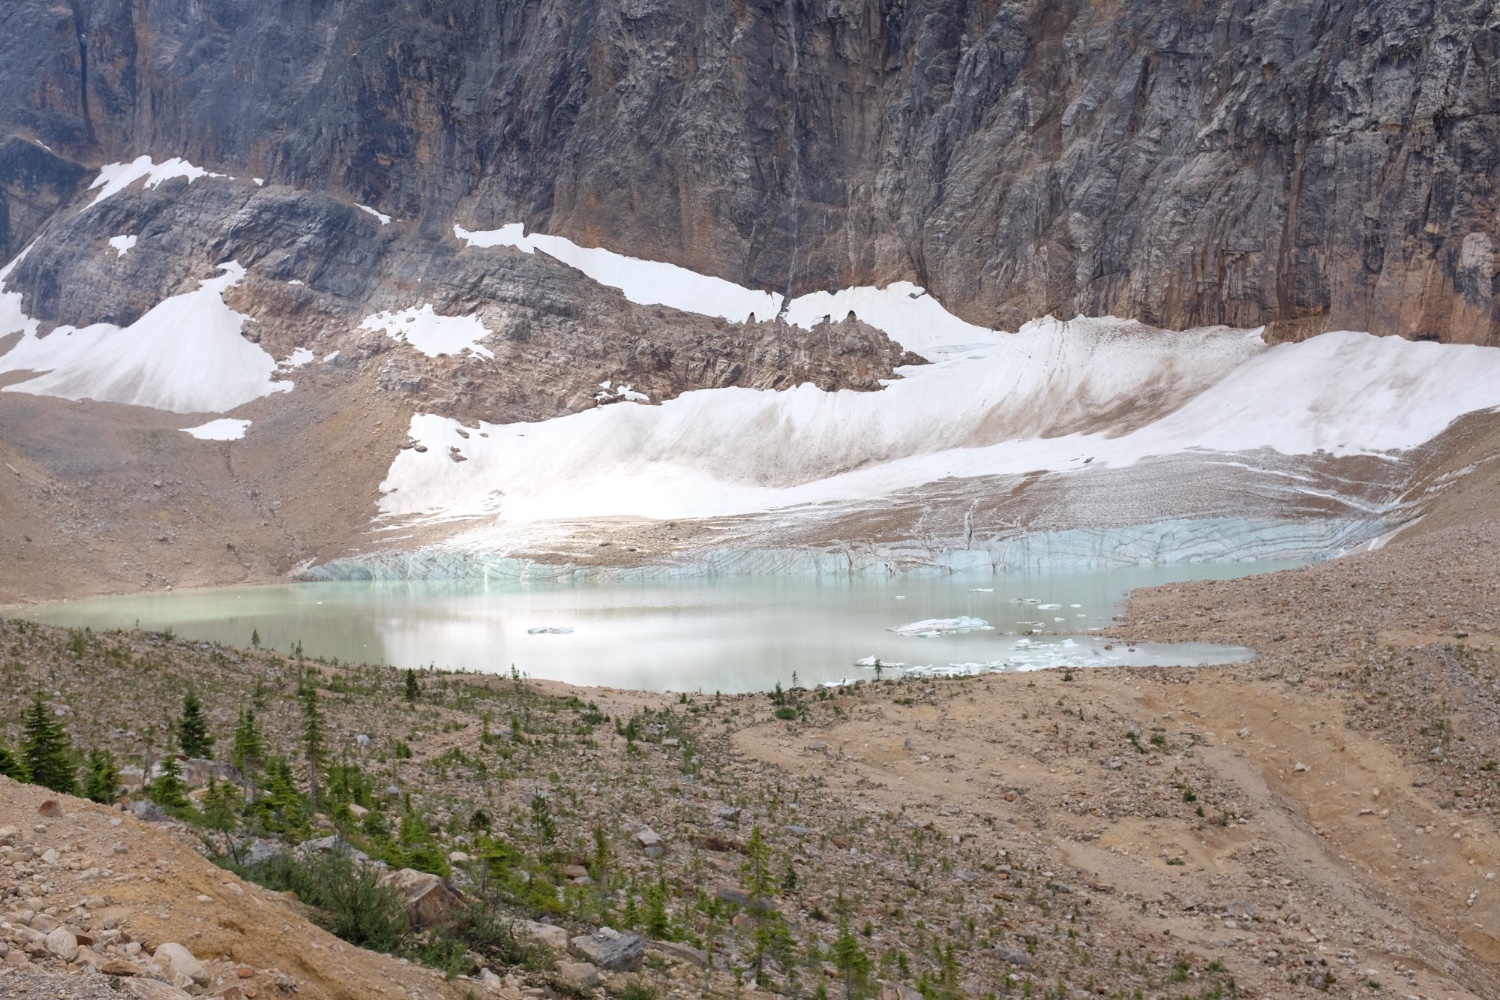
x=1312, y=165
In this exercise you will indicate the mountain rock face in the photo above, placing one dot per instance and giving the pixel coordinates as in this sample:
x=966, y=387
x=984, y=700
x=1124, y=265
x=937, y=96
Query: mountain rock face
x=1309, y=165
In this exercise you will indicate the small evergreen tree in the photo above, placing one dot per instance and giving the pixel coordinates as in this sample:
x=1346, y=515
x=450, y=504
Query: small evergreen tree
x=169, y=790
x=11, y=766
x=101, y=777
x=413, y=689
x=221, y=807
x=255, y=638
x=312, y=741
x=249, y=752
x=46, y=750
x=851, y=961
x=192, y=729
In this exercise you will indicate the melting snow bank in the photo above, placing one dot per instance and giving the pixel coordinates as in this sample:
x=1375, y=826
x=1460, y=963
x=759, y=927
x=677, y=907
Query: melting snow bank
x=1163, y=542
x=116, y=177
x=430, y=333
x=225, y=429
x=644, y=282
x=185, y=355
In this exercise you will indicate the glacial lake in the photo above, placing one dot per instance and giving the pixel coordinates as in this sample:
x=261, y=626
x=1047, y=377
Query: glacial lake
x=720, y=634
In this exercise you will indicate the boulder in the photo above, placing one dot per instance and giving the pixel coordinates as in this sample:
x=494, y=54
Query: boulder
x=151, y=989
x=680, y=952
x=428, y=898
x=61, y=942
x=610, y=949
x=578, y=975
x=898, y=991
x=181, y=961
x=647, y=837
x=333, y=844
x=51, y=808
x=121, y=968
x=1019, y=959
x=551, y=935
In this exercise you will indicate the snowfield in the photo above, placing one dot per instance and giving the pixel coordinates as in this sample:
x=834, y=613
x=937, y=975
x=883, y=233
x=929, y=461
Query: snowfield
x=185, y=355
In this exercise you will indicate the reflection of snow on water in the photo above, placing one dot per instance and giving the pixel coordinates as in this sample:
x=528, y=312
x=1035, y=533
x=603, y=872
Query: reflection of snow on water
x=1027, y=655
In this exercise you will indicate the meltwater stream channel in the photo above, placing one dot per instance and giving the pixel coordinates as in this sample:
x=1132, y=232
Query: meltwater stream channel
x=720, y=634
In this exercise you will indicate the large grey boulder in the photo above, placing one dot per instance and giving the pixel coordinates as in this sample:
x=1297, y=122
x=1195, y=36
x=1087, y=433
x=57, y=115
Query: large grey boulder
x=609, y=949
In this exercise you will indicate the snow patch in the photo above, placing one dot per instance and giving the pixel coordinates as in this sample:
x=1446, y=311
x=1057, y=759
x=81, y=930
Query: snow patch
x=643, y=282
x=116, y=177
x=296, y=359
x=185, y=355
x=223, y=429
x=122, y=244
x=430, y=333
x=385, y=220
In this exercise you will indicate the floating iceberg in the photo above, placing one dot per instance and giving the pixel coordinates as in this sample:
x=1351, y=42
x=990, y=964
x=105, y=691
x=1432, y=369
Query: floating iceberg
x=943, y=626
x=875, y=661
x=550, y=630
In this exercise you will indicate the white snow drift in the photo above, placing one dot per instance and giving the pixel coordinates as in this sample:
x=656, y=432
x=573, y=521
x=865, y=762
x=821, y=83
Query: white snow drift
x=185, y=355
x=430, y=333
x=122, y=244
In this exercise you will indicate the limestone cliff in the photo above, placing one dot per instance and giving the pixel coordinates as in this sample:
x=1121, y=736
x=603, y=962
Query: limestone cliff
x=1313, y=165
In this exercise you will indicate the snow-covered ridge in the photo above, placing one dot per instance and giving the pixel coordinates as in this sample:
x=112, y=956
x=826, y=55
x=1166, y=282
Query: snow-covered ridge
x=185, y=355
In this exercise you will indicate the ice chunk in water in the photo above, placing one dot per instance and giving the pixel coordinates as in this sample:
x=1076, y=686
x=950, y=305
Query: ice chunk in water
x=1048, y=607
x=875, y=661
x=550, y=630
x=943, y=626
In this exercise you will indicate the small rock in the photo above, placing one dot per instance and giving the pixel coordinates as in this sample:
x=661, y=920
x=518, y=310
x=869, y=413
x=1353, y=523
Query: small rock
x=50, y=808
x=647, y=837
x=1299, y=766
x=151, y=989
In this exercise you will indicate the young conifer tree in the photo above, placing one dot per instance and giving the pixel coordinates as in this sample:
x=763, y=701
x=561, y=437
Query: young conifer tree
x=192, y=728
x=46, y=750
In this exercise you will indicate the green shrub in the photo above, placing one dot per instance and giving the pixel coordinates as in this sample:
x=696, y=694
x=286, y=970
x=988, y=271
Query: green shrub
x=354, y=905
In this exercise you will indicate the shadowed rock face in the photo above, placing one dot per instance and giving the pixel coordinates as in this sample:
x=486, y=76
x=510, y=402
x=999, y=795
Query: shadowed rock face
x=1313, y=165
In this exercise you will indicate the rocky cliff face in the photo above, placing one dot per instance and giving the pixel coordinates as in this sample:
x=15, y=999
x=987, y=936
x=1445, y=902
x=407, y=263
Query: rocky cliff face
x=1313, y=165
